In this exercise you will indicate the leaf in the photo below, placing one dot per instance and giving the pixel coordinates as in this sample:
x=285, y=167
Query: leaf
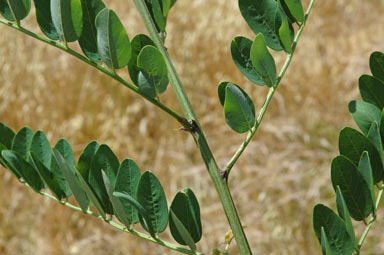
x=374, y=136
x=6, y=135
x=344, y=214
x=158, y=15
x=117, y=205
x=263, y=61
x=106, y=160
x=376, y=63
x=365, y=169
x=285, y=35
x=85, y=159
x=153, y=79
x=112, y=40
x=88, y=38
x=186, y=209
x=144, y=217
x=41, y=149
x=238, y=107
x=57, y=187
x=91, y=195
x=334, y=228
x=15, y=10
x=180, y=229
x=325, y=248
x=67, y=17
x=353, y=187
x=138, y=42
x=295, y=9
x=127, y=180
x=352, y=144
x=364, y=114
x=22, y=142
x=22, y=168
x=372, y=90
x=240, y=51
x=74, y=184
x=263, y=16
x=151, y=196
x=44, y=19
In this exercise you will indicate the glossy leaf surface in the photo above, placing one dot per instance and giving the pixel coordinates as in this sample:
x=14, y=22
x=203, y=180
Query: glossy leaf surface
x=295, y=9
x=14, y=10
x=240, y=51
x=44, y=19
x=263, y=61
x=67, y=17
x=112, y=40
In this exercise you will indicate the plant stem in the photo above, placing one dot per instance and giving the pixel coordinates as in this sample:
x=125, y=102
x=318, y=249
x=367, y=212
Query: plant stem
x=198, y=135
x=101, y=68
x=125, y=229
x=228, y=167
x=371, y=220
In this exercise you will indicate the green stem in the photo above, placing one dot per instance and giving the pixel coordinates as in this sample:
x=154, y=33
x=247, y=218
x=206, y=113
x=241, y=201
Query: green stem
x=228, y=167
x=371, y=220
x=125, y=229
x=101, y=68
x=197, y=133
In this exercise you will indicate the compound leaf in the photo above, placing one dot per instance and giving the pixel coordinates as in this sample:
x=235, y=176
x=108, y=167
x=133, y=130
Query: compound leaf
x=364, y=114
x=240, y=51
x=263, y=61
x=67, y=17
x=112, y=40
x=88, y=38
x=44, y=19
x=334, y=228
x=352, y=144
x=151, y=196
x=353, y=187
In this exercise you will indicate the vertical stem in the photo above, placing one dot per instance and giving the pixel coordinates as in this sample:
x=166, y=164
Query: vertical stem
x=214, y=171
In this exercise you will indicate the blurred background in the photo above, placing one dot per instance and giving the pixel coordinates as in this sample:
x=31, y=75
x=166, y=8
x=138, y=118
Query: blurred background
x=281, y=176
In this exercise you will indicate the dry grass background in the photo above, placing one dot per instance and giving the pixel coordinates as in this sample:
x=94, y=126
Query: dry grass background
x=275, y=184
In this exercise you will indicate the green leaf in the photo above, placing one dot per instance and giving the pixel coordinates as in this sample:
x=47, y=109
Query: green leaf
x=91, y=195
x=334, y=228
x=344, y=214
x=74, y=184
x=180, y=230
x=238, y=107
x=112, y=40
x=22, y=142
x=21, y=167
x=57, y=186
x=6, y=135
x=67, y=17
x=151, y=196
x=364, y=114
x=127, y=180
x=166, y=5
x=106, y=160
x=44, y=19
x=41, y=148
x=366, y=171
x=85, y=159
x=88, y=38
x=15, y=10
x=353, y=187
x=285, y=34
x=374, y=136
x=187, y=211
x=263, y=61
x=153, y=78
x=295, y=9
x=376, y=63
x=372, y=90
x=352, y=144
x=240, y=51
x=144, y=217
x=325, y=248
x=137, y=44
x=263, y=16
x=158, y=15
x=116, y=203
